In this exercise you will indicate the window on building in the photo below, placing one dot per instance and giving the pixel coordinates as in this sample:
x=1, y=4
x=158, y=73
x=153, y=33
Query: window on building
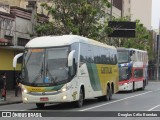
x=9, y=38
x=22, y=41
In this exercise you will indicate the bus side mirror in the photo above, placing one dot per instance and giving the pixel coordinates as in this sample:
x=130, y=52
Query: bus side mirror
x=70, y=58
x=15, y=59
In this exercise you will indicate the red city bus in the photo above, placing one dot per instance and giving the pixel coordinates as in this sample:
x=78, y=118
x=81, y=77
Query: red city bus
x=133, y=64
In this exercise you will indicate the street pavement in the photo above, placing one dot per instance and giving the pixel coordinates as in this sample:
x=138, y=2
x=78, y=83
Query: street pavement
x=124, y=102
x=11, y=99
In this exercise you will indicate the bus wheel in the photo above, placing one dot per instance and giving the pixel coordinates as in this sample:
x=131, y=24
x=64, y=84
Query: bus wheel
x=110, y=94
x=40, y=105
x=143, y=87
x=107, y=96
x=79, y=103
x=132, y=88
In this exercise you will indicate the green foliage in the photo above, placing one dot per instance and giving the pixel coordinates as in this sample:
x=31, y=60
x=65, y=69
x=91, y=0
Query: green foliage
x=80, y=17
x=88, y=18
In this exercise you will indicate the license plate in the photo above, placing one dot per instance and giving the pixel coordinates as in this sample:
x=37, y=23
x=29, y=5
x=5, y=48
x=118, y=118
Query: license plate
x=44, y=99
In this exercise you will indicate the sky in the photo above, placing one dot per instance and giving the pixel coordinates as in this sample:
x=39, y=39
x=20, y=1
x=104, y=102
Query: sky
x=155, y=14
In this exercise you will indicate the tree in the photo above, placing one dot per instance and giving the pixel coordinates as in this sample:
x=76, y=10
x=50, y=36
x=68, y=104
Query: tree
x=81, y=17
x=88, y=18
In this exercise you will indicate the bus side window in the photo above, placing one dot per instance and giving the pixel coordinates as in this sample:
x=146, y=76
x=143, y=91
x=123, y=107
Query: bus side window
x=135, y=73
x=74, y=67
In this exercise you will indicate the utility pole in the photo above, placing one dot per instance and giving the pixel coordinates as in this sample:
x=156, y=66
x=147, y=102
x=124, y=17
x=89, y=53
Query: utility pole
x=110, y=40
x=158, y=53
x=111, y=10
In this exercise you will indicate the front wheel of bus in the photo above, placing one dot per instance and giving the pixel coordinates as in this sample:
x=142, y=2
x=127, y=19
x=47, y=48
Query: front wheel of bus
x=40, y=105
x=79, y=103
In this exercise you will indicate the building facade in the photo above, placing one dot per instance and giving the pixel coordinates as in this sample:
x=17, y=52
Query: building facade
x=138, y=9
x=16, y=27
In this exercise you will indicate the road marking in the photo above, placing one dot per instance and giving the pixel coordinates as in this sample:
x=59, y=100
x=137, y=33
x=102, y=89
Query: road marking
x=116, y=101
x=153, y=108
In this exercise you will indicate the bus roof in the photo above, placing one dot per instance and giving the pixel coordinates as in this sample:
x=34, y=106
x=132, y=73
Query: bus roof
x=122, y=48
x=53, y=41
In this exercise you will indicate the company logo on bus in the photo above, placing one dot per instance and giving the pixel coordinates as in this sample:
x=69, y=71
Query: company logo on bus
x=105, y=70
x=36, y=89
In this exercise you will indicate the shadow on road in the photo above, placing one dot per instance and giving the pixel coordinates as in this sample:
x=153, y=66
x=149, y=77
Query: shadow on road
x=71, y=105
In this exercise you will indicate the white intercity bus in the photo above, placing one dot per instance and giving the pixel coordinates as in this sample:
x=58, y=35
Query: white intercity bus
x=133, y=65
x=67, y=68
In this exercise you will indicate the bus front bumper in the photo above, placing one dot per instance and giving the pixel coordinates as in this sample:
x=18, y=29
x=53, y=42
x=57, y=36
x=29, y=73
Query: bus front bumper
x=45, y=98
x=125, y=87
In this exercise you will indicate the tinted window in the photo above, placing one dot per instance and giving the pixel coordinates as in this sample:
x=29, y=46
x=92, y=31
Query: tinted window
x=83, y=53
x=138, y=73
x=123, y=56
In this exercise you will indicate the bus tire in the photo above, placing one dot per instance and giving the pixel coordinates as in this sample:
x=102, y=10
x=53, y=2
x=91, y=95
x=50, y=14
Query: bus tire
x=100, y=98
x=79, y=103
x=110, y=94
x=144, y=84
x=132, y=88
x=40, y=105
x=107, y=96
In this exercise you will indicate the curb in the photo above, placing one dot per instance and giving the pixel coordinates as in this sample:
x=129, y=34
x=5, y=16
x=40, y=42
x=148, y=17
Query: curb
x=8, y=103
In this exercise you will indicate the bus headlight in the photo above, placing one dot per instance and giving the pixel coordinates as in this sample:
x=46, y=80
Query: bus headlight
x=25, y=98
x=64, y=97
x=25, y=91
x=65, y=88
x=125, y=83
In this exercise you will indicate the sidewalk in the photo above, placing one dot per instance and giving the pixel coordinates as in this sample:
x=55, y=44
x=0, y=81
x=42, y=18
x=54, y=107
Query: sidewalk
x=11, y=99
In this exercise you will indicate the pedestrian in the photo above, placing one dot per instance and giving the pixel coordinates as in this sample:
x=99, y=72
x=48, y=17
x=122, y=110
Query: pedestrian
x=3, y=85
x=18, y=83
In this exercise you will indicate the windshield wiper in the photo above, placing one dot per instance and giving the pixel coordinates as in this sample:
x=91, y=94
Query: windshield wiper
x=50, y=75
x=40, y=73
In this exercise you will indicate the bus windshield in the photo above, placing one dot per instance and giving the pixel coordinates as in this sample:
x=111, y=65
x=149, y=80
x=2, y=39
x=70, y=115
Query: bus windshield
x=45, y=66
x=124, y=73
x=123, y=56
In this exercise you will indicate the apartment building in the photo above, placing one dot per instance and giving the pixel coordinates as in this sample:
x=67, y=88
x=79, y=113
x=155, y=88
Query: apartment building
x=116, y=9
x=11, y=2
x=138, y=9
